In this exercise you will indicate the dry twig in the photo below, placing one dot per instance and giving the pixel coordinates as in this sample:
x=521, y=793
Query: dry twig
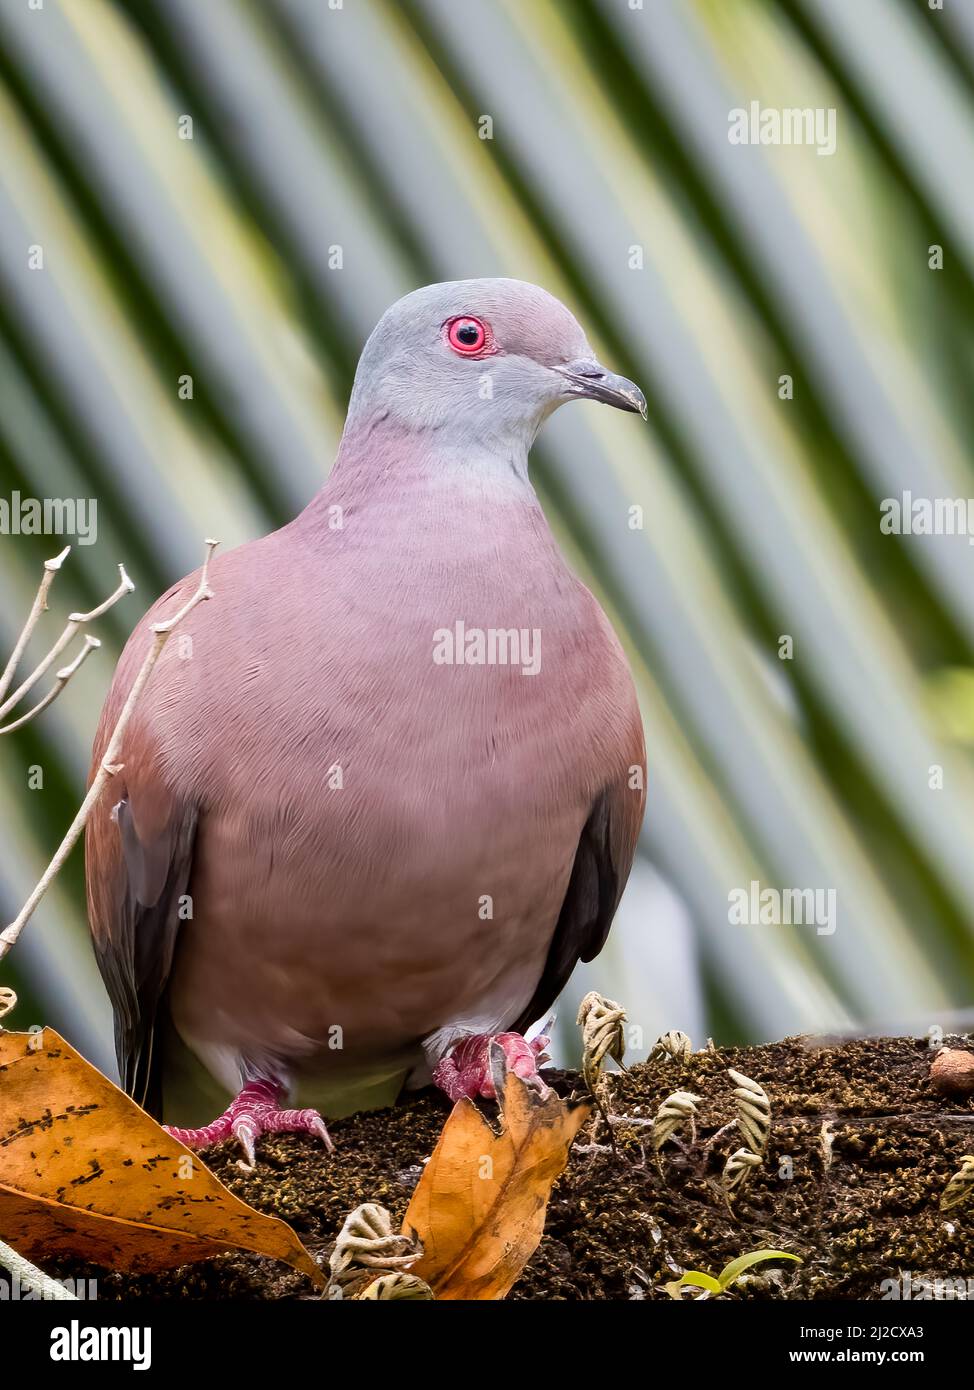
x=51, y=568
x=110, y=765
x=61, y=679
x=38, y=1284
x=75, y=622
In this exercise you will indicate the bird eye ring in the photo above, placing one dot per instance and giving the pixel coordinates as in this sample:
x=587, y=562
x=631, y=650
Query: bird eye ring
x=469, y=336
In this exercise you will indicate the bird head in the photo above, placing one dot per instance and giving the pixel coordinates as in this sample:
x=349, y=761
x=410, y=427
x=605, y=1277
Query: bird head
x=480, y=361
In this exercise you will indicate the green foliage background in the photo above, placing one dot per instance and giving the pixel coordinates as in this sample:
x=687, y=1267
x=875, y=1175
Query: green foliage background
x=359, y=127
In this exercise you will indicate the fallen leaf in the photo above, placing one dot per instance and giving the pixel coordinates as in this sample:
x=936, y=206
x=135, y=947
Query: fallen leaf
x=479, y=1208
x=86, y=1174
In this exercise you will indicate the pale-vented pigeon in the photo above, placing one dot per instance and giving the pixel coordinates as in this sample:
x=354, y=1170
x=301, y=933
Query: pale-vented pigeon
x=384, y=791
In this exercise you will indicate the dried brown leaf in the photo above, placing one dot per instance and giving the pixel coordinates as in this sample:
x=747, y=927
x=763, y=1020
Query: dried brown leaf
x=479, y=1208
x=86, y=1174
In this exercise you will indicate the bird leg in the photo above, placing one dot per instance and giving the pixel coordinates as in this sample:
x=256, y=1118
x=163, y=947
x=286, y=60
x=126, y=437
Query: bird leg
x=465, y=1070
x=253, y=1113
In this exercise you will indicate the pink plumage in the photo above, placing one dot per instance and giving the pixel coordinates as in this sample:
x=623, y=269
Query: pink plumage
x=391, y=793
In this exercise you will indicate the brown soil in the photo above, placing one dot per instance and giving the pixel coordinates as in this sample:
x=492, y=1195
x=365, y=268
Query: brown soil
x=858, y=1205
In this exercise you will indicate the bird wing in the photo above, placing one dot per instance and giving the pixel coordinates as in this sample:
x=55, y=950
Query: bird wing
x=136, y=878
x=601, y=867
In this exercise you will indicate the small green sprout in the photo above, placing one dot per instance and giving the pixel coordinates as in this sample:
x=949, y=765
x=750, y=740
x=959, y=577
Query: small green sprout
x=696, y=1279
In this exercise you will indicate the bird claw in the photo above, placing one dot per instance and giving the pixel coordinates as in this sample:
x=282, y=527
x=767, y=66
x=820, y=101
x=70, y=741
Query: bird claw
x=246, y=1129
x=253, y=1113
x=478, y=1065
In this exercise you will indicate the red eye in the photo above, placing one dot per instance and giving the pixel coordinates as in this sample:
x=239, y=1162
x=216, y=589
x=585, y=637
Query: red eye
x=469, y=337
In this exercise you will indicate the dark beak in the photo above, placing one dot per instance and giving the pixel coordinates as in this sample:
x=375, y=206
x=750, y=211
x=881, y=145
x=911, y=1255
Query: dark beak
x=591, y=381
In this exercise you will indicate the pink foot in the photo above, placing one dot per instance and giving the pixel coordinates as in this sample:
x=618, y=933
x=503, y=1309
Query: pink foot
x=465, y=1070
x=253, y=1113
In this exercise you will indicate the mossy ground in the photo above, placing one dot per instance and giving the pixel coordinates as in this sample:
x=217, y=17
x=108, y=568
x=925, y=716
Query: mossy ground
x=858, y=1202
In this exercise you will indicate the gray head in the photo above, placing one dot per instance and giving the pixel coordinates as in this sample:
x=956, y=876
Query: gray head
x=482, y=361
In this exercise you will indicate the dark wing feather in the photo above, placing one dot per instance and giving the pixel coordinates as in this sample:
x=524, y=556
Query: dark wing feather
x=602, y=863
x=134, y=889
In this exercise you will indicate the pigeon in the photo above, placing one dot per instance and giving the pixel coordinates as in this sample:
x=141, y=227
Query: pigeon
x=383, y=792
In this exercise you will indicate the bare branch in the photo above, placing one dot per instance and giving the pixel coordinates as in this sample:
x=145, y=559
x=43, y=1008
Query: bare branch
x=110, y=766
x=32, y=1278
x=75, y=621
x=51, y=568
x=63, y=676
x=203, y=592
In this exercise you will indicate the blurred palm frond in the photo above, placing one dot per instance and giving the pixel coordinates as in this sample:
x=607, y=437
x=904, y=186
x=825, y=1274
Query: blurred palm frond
x=232, y=192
